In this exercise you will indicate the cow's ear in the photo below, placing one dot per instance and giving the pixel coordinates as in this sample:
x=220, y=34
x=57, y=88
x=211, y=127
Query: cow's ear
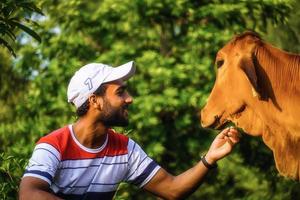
x=248, y=66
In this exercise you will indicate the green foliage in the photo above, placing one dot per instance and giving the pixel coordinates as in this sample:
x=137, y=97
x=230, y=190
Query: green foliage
x=9, y=167
x=174, y=44
x=288, y=34
x=13, y=13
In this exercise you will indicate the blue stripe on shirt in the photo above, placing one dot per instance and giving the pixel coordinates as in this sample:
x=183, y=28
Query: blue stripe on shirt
x=83, y=167
x=136, y=168
x=108, y=156
x=88, y=196
x=145, y=173
x=41, y=173
x=48, y=151
x=131, y=152
x=83, y=186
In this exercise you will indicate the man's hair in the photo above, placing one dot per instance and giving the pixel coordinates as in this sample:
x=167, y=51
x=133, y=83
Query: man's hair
x=82, y=110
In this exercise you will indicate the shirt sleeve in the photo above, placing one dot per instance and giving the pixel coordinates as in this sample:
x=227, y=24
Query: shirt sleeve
x=141, y=167
x=43, y=162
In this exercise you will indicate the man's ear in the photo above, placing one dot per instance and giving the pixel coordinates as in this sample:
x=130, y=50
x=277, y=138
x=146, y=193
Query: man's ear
x=248, y=66
x=96, y=101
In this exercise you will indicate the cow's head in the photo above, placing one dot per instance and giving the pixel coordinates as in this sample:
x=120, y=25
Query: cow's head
x=236, y=84
x=247, y=76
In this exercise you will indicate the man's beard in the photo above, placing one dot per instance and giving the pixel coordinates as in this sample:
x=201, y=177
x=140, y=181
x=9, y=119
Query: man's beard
x=112, y=116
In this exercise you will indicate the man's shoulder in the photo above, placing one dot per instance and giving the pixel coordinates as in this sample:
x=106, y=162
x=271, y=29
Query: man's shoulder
x=56, y=138
x=123, y=141
x=117, y=143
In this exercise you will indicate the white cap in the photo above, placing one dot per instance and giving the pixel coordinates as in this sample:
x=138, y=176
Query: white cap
x=89, y=77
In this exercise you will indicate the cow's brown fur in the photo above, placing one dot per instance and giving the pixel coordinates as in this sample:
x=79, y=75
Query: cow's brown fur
x=258, y=88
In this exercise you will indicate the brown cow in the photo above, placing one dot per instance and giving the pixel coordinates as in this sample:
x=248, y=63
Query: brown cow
x=258, y=88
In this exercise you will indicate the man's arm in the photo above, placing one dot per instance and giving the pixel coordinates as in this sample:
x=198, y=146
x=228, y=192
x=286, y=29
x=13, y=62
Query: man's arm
x=39, y=173
x=168, y=186
x=32, y=188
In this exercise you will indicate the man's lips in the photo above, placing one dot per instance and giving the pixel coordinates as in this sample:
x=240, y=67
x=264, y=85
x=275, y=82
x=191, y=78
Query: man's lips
x=125, y=110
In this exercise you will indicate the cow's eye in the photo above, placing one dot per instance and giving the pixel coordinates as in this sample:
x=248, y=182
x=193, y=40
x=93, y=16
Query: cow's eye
x=220, y=63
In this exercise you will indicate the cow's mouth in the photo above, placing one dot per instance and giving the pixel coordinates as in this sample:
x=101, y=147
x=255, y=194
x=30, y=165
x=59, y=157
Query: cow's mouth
x=219, y=123
x=237, y=114
x=223, y=120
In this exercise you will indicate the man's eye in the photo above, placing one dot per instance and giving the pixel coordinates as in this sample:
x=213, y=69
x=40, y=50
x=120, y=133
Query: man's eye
x=120, y=92
x=220, y=63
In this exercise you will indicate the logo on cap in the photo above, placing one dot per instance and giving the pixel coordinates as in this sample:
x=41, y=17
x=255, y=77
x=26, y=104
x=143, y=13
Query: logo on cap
x=89, y=83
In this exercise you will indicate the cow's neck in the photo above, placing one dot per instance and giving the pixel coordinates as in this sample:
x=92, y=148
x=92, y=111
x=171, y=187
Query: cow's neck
x=278, y=71
x=279, y=78
x=282, y=68
x=277, y=116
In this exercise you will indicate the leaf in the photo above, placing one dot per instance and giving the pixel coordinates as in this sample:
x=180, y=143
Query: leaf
x=27, y=30
x=31, y=7
x=10, y=34
x=3, y=42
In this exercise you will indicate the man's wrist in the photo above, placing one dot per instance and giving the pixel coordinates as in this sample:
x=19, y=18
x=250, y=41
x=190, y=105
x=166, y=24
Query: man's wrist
x=208, y=163
x=209, y=159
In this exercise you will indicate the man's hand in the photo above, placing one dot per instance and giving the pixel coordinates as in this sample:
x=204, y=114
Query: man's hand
x=222, y=145
x=167, y=186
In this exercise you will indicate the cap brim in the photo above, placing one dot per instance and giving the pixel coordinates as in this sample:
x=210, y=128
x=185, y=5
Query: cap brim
x=122, y=72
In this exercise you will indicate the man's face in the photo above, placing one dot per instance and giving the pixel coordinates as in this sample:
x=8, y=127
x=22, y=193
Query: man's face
x=115, y=105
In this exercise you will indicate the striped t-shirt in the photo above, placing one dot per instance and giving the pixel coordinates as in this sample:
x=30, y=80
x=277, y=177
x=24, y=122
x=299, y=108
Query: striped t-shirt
x=77, y=172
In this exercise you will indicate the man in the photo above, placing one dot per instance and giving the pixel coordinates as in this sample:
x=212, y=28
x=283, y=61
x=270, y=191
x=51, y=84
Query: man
x=87, y=160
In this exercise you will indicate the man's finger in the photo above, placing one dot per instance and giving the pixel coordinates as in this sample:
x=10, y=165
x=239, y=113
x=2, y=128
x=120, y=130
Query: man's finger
x=234, y=140
x=223, y=133
x=229, y=141
x=233, y=133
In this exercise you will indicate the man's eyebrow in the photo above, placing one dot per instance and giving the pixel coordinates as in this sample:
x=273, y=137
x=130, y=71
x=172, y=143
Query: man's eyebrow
x=122, y=87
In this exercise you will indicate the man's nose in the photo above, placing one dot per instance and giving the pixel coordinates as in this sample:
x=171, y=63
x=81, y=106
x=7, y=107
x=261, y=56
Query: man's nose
x=129, y=99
